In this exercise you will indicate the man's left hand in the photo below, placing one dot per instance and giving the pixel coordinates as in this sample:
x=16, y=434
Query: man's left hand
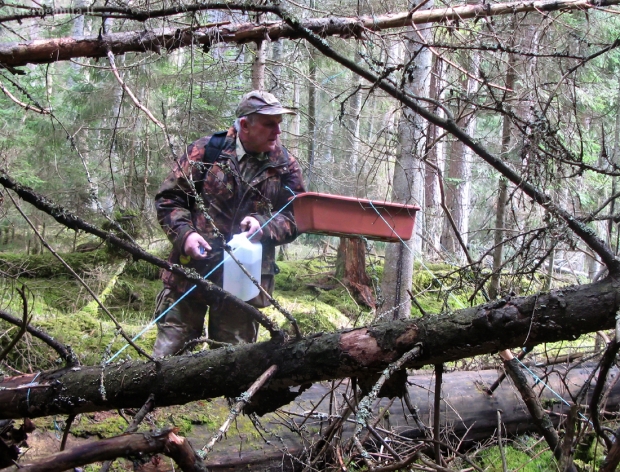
x=250, y=225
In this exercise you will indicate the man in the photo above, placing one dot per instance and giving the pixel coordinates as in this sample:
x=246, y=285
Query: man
x=243, y=180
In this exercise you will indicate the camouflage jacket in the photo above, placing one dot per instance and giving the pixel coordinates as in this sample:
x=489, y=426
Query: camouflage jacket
x=228, y=199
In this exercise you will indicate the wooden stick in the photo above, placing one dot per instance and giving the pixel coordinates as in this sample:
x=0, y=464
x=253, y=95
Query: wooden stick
x=243, y=400
x=164, y=442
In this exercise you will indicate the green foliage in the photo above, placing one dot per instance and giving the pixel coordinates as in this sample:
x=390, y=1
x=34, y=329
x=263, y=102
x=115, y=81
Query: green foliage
x=127, y=220
x=439, y=288
x=590, y=453
x=517, y=457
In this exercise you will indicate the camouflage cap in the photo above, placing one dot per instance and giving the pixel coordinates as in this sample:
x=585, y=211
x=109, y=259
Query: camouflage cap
x=261, y=102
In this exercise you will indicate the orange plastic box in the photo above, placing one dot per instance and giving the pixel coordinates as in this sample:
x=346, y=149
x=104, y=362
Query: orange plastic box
x=335, y=215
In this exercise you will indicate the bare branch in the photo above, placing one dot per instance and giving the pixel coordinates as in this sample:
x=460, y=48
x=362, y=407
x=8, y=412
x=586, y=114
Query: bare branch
x=22, y=328
x=62, y=49
x=580, y=229
x=164, y=442
x=128, y=91
x=66, y=218
x=81, y=281
x=66, y=354
x=25, y=106
x=243, y=400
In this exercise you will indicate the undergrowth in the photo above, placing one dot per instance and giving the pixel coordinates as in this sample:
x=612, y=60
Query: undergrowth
x=305, y=288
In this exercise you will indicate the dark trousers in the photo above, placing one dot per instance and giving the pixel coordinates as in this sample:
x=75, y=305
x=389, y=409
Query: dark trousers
x=185, y=321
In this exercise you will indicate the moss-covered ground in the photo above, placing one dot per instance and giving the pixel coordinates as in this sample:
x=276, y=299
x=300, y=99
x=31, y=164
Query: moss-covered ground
x=62, y=307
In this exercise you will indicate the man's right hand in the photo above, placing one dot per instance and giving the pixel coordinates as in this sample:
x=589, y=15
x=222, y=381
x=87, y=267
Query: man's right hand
x=196, y=247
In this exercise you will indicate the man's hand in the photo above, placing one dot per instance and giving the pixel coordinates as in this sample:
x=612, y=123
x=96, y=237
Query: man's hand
x=250, y=225
x=196, y=247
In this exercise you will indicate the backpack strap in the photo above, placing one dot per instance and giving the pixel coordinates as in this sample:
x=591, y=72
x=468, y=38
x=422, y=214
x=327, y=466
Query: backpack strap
x=214, y=147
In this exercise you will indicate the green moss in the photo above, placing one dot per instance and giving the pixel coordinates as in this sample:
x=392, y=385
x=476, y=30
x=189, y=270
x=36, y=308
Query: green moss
x=589, y=453
x=143, y=270
x=47, y=265
x=491, y=461
x=103, y=425
x=312, y=315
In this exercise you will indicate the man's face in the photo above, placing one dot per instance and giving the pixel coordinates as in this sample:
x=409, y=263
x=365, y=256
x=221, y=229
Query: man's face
x=259, y=133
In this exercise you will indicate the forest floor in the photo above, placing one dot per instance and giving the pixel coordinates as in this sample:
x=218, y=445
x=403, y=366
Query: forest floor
x=61, y=306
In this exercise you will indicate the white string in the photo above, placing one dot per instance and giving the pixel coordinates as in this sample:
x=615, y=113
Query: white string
x=539, y=380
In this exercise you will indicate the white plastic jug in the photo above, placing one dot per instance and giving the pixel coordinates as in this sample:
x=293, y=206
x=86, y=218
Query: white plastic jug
x=250, y=255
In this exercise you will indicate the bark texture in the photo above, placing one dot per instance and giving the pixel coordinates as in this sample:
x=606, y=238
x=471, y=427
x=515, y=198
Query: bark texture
x=351, y=269
x=128, y=445
x=408, y=173
x=503, y=324
x=62, y=49
x=468, y=414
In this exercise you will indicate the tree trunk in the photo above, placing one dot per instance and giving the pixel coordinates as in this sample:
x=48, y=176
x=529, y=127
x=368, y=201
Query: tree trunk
x=353, y=132
x=351, y=255
x=434, y=156
x=128, y=445
x=258, y=67
x=312, y=102
x=275, y=84
x=459, y=165
x=62, y=49
x=408, y=179
x=351, y=269
x=502, y=194
x=504, y=324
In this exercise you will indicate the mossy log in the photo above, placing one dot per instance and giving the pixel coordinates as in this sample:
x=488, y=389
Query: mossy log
x=47, y=266
x=468, y=415
x=521, y=321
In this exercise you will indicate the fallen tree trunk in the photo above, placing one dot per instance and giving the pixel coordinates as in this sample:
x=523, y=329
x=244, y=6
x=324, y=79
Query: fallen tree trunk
x=468, y=415
x=62, y=49
x=521, y=321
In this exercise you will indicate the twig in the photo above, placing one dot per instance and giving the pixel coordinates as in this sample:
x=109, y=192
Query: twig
x=499, y=441
x=455, y=65
x=502, y=376
x=23, y=327
x=437, y=412
x=606, y=362
x=365, y=405
x=148, y=406
x=65, y=433
x=378, y=437
x=448, y=214
x=242, y=400
x=128, y=91
x=65, y=352
x=539, y=416
x=190, y=344
x=415, y=302
x=27, y=107
x=80, y=280
x=127, y=445
x=612, y=459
